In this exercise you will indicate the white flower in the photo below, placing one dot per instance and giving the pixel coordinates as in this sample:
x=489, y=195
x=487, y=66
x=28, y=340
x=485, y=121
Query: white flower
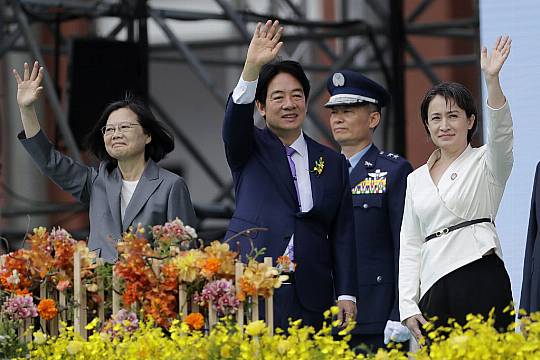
x=191, y=231
x=14, y=279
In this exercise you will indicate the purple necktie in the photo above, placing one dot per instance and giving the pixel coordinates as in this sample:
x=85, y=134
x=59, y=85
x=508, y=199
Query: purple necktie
x=290, y=151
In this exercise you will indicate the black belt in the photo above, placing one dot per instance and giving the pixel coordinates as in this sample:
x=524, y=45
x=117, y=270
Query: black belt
x=455, y=227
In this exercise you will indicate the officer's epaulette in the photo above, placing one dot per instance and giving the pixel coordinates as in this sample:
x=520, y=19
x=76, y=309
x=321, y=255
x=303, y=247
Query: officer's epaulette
x=390, y=156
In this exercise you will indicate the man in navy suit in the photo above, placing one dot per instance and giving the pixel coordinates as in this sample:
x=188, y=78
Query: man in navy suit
x=290, y=184
x=530, y=286
x=378, y=180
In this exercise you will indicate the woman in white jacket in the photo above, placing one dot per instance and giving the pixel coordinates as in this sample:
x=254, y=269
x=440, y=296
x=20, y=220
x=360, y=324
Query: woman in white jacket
x=450, y=255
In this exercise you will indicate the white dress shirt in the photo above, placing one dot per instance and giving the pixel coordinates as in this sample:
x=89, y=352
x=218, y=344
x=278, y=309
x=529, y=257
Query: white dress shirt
x=471, y=188
x=128, y=188
x=244, y=93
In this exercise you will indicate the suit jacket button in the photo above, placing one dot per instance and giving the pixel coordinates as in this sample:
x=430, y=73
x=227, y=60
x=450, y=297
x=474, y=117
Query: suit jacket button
x=365, y=206
x=379, y=279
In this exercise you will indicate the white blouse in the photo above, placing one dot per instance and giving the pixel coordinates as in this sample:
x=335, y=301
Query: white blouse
x=471, y=188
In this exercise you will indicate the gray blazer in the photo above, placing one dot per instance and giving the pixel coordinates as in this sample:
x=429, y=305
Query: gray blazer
x=160, y=195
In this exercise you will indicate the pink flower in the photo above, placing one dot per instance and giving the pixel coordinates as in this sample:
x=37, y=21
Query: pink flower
x=222, y=293
x=126, y=319
x=61, y=235
x=63, y=285
x=20, y=307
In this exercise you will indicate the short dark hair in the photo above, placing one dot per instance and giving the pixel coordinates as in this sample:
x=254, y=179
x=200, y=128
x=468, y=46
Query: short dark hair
x=162, y=142
x=451, y=91
x=270, y=70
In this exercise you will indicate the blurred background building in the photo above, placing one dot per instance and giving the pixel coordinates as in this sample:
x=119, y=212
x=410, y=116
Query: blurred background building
x=186, y=56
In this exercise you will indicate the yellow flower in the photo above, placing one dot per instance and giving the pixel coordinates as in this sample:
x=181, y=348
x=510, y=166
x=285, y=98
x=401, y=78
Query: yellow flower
x=225, y=351
x=319, y=166
x=40, y=231
x=256, y=328
x=187, y=264
x=39, y=337
x=93, y=287
x=92, y=325
x=282, y=347
x=74, y=347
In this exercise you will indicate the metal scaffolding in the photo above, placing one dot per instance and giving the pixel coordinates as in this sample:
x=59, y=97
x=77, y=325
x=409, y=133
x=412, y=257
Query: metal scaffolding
x=385, y=38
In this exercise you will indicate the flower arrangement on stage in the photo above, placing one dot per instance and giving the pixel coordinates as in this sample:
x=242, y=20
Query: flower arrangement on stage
x=48, y=258
x=147, y=282
x=151, y=275
x=156, y=269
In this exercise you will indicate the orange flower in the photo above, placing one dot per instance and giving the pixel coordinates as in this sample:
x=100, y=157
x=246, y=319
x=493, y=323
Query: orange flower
x=210, y=267
x=47, y=309
x=195, y=321
x=246, y=288
x=23, y=292
x=285, y=264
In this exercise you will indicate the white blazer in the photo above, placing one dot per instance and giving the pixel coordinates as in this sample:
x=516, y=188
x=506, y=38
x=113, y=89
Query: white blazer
x=471, y=188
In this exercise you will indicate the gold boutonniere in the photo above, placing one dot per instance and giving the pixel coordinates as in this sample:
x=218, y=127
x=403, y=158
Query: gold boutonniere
x=319, y=166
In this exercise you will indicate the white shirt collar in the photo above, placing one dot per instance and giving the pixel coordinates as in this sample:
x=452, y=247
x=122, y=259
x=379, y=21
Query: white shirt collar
x=300, y=145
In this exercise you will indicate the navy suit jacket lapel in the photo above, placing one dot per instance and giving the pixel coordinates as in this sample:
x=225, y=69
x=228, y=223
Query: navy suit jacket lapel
x=148, y=183
x=367, y=163
x=113, y=189
x=274, y=159
x=315, y=152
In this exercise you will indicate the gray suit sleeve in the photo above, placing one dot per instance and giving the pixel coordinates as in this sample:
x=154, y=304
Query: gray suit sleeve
x=70, y=175
x=179, y=204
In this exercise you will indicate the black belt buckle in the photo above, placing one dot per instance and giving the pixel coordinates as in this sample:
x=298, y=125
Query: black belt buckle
x=442, y=232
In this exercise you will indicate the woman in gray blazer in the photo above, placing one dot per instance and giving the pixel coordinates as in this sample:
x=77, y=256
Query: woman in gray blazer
x=129, y=187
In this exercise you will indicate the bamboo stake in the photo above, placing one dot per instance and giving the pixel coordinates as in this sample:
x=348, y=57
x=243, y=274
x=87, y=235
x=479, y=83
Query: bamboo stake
x=115, y=294
x=21, y=330
x=239, y=271
x=212, y=315
x=156, y=264
x=269, y=305
x=28, y=331
x=254, y=308
x=79, y=295
x=42, y=296
x=53, y=324
x=101, y=294
x=182, y=301
x=62, y=303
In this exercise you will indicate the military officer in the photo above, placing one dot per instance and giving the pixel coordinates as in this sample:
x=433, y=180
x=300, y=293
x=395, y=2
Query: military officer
x=378, y=180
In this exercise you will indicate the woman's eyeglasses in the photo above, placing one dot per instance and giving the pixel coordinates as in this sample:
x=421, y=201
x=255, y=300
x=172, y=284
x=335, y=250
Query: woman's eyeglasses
x=123, y=128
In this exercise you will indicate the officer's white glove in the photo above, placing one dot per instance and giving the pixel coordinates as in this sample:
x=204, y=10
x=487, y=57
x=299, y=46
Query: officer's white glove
x=395, y=332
